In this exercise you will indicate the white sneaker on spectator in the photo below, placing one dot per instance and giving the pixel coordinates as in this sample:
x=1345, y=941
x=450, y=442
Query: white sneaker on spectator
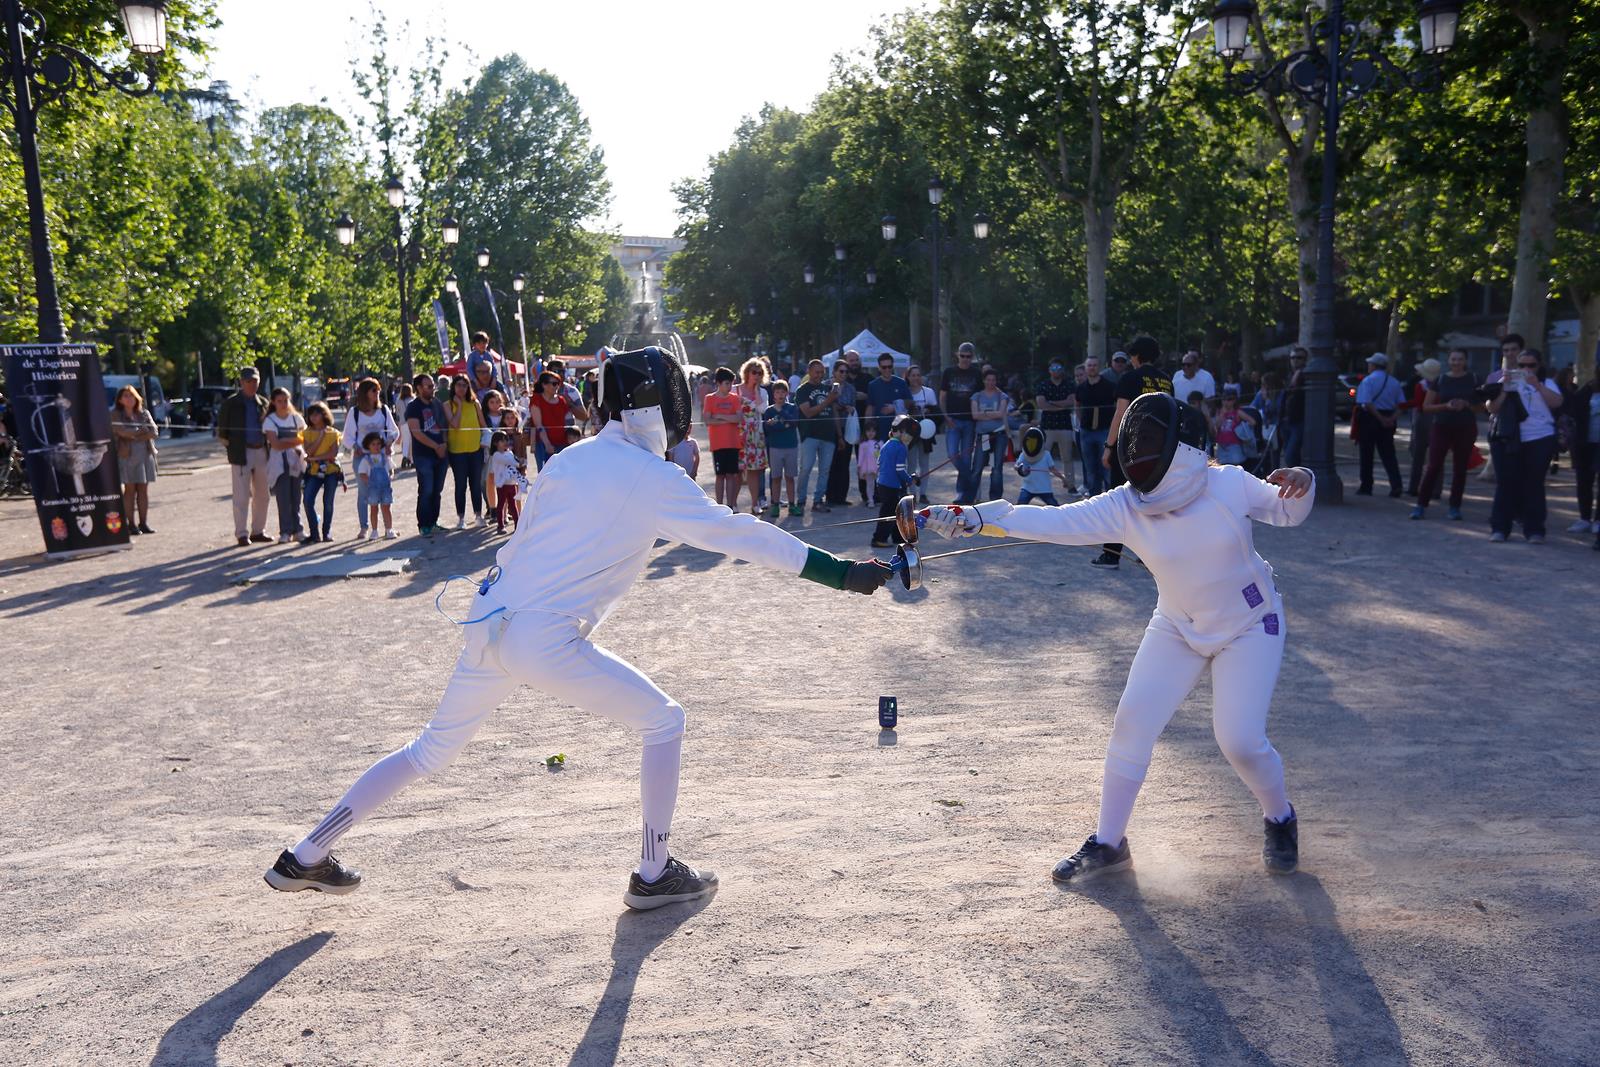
x=477, y=518
x=373, y=534
x=1579, y=527
x=461, y=523
x=283, y=539
x=390, y=535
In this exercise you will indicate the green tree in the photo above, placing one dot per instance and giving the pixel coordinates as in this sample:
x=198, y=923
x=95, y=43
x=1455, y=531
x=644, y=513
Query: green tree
x=1074, y=87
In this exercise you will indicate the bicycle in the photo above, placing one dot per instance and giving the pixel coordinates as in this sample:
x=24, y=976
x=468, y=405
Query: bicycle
x=13, y=472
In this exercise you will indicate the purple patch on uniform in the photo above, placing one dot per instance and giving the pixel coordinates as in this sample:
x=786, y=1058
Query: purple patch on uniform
x=1252, y=595
x=1271, y=623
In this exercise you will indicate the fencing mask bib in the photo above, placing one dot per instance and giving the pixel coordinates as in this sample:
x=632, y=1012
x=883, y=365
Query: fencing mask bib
x=647, y=391
x=1153, y=427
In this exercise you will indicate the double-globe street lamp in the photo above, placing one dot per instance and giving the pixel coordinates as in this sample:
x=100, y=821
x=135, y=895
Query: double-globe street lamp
x=890, y=229
x=405, y=257
x=1343, y=69
x=40, y=70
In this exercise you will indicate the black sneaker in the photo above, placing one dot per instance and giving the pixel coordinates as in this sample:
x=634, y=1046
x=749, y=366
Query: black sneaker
x=289, y=875
x=1106, y=559
x=678, y=883
x=1093, y=859
x=1281, y=853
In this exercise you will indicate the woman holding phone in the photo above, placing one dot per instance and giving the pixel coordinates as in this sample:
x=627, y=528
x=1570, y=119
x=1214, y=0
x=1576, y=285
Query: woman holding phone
x=1523, y=442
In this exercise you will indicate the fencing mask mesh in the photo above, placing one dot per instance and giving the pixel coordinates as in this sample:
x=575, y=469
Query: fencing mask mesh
x=1152, y=428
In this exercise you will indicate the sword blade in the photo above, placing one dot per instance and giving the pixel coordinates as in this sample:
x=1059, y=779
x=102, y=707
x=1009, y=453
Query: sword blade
x=982, y=548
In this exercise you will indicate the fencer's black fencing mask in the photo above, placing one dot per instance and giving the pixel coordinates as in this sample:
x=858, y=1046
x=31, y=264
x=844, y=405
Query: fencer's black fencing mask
x=1153, y=427
x=648, y=392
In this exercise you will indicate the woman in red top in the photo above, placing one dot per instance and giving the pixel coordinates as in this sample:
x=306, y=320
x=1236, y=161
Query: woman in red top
x=547, y=418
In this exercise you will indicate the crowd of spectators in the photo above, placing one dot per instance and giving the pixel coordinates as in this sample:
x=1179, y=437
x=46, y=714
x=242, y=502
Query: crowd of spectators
x=826, y=433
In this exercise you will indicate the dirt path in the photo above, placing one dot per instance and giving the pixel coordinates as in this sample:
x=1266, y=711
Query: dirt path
x=886, y=897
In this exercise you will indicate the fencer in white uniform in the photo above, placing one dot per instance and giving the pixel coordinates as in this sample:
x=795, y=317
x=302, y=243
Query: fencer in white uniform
x=1217, y=603
x=591, y=519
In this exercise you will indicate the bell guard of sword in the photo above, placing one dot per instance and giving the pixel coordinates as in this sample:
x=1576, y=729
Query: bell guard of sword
x=909, y=521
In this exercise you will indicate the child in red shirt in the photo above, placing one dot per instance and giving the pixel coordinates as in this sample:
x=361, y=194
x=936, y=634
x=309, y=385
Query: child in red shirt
x=725, y=422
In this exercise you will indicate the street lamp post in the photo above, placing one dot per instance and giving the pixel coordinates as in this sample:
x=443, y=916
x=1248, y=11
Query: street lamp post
x=980, y=231
x=519, y=282
x=41, y=70
x=344, y=227
x=544, y=321
x=1345, y=69
x=838, y=274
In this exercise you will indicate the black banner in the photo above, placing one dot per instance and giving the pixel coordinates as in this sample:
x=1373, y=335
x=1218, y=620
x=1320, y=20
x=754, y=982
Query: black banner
x=64, y=428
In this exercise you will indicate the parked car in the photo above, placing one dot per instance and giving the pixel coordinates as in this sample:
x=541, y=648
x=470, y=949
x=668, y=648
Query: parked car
x=201, y=407
x=1344, y=396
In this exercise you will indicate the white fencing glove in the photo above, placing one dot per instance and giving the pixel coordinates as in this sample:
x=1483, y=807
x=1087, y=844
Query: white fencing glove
x=952, y=521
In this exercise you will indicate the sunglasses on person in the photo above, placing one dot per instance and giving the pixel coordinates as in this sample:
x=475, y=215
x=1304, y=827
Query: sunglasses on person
x=1527, y=366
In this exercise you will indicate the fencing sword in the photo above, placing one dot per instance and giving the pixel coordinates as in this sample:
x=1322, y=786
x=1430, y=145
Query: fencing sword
x=908, y=559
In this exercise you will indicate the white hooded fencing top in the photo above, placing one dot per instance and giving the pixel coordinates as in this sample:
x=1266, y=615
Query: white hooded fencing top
x=594, y=513
x=1193, y=533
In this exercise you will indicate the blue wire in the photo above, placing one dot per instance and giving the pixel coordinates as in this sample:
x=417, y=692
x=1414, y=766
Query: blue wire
x=492, y=577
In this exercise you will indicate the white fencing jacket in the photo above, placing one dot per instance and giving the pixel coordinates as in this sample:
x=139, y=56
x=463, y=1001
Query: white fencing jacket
x=594, y=513
x=1193, y=533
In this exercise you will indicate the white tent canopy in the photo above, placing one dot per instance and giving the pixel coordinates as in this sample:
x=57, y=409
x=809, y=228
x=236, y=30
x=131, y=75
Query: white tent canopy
x=870, y=347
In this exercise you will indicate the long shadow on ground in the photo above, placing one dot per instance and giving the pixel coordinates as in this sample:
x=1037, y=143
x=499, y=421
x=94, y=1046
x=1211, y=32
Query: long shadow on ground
x=192, y=1041
x=638, y=934
x=1360, y=1025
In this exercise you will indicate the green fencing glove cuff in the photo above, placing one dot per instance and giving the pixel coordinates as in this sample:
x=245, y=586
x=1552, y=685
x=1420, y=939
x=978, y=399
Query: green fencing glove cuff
x=825, y=568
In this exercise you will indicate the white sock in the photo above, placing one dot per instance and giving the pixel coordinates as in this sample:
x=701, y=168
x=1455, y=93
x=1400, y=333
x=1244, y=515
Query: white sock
x=658, y=796
x=1117, y=794
x=381, y=781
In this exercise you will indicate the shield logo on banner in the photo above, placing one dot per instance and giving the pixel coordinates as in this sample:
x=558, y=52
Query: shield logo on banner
x=86, y=524
x=114, y=521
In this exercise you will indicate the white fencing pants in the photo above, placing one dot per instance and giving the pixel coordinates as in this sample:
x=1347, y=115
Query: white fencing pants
x=1165, y=669
x=545, y=651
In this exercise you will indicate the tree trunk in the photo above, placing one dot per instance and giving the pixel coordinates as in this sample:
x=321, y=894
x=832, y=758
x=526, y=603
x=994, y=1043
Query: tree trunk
x=1391, y=341
x=1541, y=184
x=941, y=358
x=1588, y=334
x=1098, y=223
x=1249, y=347
x=1303, y=206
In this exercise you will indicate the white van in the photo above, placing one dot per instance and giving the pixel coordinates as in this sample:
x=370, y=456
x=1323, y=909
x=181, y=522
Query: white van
x=149, y=386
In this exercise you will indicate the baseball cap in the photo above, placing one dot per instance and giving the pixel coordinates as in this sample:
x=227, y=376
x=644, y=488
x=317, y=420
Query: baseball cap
x=1377, y=359
x=250, y=374
x=1119, y=357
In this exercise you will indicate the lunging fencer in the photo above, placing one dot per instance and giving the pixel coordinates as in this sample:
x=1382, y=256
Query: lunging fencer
x=1217, y=604
x=591, y=518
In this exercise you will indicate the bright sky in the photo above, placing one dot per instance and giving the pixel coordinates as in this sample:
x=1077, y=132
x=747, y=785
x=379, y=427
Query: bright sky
x=663, y=83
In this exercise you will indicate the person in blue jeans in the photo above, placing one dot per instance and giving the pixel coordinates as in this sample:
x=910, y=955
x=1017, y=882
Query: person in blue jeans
x=429, y=454
x=990, y=406
x=1097, y=402
x=323, y=476
x=818, y=403
x=956, y=388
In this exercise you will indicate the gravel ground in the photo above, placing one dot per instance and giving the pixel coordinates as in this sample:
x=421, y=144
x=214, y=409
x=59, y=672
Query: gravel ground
x=886, y=896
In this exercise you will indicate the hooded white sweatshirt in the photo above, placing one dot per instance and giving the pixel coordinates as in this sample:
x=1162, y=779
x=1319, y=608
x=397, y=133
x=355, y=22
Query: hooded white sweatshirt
x=1193, y=532
x=594, y=513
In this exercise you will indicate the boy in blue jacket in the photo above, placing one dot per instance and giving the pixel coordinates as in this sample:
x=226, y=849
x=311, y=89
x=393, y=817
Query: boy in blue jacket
x=894, y=477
